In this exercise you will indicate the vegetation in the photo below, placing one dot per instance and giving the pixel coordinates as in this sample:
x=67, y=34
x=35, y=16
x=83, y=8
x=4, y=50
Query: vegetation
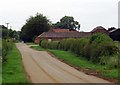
x=0, y=61
x=67, y=22
x=9, y=33
x=31, y=43
x=82, y=63
x=7, y=45
x=34, y=26
x=12, y=69
x=99, y=48
x=0, y=47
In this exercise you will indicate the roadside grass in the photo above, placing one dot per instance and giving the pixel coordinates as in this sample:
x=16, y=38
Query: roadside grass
x=0, y=61
x=82, y=63
x=12, y=69
x=30, y=43
x=38, y=48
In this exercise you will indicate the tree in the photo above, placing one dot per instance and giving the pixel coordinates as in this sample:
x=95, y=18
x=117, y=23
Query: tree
x=4, y=31
x=67, y=22
x=34, y=26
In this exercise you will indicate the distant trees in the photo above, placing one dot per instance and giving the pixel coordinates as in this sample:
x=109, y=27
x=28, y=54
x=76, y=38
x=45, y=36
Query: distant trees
x=67, y=22
x=8, y=33
x=34, y=26
x=4, y=31
x=6, y=40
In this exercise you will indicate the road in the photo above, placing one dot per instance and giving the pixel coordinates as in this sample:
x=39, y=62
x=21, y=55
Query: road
x=42, y=68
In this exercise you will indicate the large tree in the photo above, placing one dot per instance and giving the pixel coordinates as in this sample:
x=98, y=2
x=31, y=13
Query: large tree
x=67, y=22
x=34, y=26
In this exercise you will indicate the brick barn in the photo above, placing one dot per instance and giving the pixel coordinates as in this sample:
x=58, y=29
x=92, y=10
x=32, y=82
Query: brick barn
x=100, y=29
x=58, y=34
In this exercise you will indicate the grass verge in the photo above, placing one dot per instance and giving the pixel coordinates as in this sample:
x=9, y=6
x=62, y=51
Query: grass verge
x=12, y=69
x=82, y=64
x=30, y=43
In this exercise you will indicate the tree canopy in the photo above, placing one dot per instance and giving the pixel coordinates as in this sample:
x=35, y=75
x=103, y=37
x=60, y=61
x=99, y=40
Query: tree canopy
x=34, y=26
x=67, y=22
x=8, y=33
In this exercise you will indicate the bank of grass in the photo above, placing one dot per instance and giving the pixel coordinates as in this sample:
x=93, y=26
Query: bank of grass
x=30, y=43
x=77, y=61
x=12, y=69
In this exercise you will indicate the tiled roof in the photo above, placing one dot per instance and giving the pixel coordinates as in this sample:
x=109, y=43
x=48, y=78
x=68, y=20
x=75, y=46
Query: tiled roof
x=61, y=30
x=98, y=28
x=64, y=34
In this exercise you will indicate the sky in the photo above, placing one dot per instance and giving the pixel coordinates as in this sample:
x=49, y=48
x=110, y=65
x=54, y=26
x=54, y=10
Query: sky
x=89, y=13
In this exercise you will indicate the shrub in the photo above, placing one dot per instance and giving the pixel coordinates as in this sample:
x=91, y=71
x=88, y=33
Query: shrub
x=101, y=45
x=6, y=46
x=62, y=44
x=67, y=43
x=83, y=44
x=96, y=48
x=74, y=46
x=104, y=60
x=113, y=62
x=100, y=37
x=110, y=61
x=86, y=51
x=43, y=43
x=54, y=44
x=51, y=45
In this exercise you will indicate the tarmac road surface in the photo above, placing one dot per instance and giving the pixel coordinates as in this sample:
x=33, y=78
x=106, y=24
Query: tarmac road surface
x=42, y=68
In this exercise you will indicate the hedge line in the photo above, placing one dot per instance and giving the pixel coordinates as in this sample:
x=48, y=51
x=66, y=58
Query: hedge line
x=97, y=48
x=7, y=45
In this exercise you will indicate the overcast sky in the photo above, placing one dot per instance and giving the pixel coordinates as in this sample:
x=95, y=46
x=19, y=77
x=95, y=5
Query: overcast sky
x=89, y=13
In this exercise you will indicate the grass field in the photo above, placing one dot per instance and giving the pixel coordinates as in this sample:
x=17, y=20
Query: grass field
x=80, y=62
x=12, y=71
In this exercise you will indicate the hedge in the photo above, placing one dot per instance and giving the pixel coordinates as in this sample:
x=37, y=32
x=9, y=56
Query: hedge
x=7, y=45
x=95, y=48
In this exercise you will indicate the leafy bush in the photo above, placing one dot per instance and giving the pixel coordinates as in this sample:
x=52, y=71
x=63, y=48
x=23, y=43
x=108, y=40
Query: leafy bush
x=67, y=43
x=98, y=48
x=74, y=46
x=83, y=42
x=100, y=37
x=62, y=44
x=51, y=45
x=86, y=51
x=101, y=45
x=43, y=43
x=6, y=46
x=54, y=44
x=113, y=62
x=104, y=60
x=110, y=61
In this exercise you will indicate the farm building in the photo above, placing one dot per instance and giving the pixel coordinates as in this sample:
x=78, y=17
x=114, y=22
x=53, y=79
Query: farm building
x=58, y=34
x=100, y=29
x=115, y=34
